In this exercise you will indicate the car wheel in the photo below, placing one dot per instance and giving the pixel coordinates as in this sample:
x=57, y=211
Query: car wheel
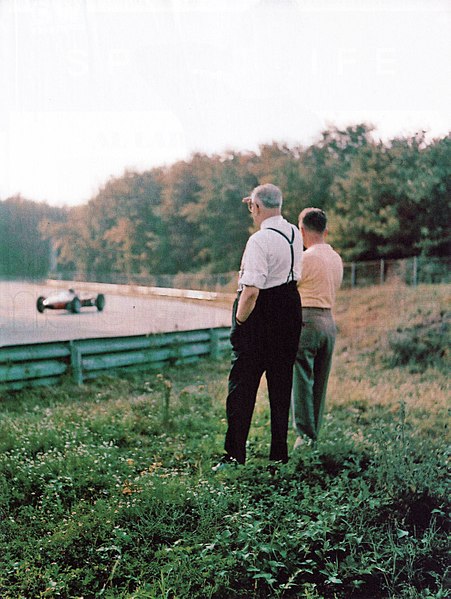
x=75, y=305
x=40, y=304
x=100, y=302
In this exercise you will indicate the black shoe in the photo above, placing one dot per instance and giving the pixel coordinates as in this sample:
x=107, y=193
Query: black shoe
x=225, y=462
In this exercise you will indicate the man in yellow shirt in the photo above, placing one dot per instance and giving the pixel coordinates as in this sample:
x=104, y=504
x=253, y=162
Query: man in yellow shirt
x=322, y=273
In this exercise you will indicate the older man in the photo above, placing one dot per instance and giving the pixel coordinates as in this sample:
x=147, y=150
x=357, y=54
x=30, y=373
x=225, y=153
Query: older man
x=266, y=324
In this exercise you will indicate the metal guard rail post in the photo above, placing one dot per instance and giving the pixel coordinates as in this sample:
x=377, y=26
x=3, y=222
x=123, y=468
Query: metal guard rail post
x=83, y=359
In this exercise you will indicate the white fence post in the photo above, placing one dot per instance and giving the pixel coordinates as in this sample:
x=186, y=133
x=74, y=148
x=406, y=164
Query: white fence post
x=382, y=271
x=353, y=277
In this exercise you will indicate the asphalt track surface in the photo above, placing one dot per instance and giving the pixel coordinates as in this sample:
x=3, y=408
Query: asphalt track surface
x=21, y=323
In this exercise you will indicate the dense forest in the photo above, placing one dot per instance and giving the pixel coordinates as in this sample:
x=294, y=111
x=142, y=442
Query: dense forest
x=384, y=200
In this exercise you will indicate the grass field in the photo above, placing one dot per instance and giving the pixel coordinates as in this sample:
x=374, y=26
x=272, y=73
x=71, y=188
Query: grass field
x=106, y=490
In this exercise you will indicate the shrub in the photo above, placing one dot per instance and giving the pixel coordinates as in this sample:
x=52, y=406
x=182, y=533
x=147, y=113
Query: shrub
x=420, y=346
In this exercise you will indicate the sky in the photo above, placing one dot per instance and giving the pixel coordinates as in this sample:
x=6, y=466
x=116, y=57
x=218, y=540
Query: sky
x=90, y=88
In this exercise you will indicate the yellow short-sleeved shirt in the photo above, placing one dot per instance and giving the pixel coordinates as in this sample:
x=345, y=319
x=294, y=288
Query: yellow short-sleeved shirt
x=322, y=274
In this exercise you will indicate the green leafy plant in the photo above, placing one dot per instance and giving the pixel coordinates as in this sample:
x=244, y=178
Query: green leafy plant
x=420, y=346
x=106, y=490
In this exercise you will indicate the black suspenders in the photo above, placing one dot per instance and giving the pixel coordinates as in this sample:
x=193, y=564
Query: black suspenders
x=291, y=273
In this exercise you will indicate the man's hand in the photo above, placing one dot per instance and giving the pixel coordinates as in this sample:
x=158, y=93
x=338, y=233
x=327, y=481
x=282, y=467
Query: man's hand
x=246, y=303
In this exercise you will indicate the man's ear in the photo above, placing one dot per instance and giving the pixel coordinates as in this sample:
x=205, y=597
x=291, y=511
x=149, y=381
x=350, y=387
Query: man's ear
x=326, y=232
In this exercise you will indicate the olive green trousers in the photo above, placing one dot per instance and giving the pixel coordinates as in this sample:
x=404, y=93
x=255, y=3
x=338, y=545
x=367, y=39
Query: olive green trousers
x=311, y=370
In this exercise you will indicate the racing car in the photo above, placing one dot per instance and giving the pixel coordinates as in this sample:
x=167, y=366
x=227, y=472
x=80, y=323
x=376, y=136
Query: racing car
x=69, y=300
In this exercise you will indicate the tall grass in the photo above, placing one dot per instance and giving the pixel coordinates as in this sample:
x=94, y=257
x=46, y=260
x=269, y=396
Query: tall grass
x=106, y=490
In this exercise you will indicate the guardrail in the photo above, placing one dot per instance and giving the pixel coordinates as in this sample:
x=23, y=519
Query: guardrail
x=82, y=359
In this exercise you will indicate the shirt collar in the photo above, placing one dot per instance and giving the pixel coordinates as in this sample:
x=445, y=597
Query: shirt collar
x=271, y=221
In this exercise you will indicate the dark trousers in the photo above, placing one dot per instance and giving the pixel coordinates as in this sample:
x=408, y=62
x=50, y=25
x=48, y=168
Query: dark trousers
x=266, y=343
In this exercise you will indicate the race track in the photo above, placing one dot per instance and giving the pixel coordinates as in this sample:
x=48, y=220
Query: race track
x=21, y=323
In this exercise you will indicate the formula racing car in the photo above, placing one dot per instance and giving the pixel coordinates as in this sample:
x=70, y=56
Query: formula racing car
x=70, y=300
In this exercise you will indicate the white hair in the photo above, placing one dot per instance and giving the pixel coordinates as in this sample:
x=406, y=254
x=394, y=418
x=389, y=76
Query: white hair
x=269, y=195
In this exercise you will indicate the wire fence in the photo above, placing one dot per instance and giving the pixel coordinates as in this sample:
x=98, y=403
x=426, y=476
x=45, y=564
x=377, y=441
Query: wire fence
x=410, y=271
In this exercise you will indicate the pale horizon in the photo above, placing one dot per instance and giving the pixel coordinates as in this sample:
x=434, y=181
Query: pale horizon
x=93, y=88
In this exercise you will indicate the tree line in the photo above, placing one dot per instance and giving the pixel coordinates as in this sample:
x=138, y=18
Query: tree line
x=384, y=200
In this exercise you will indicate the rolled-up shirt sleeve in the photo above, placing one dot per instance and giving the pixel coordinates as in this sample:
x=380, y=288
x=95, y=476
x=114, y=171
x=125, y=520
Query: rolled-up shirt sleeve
x=254, y=265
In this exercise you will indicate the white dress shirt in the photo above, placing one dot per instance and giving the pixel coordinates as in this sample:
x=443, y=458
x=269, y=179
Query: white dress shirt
x=266, y=260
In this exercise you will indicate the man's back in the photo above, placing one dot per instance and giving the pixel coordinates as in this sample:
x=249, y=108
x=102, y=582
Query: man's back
x=322, y=274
